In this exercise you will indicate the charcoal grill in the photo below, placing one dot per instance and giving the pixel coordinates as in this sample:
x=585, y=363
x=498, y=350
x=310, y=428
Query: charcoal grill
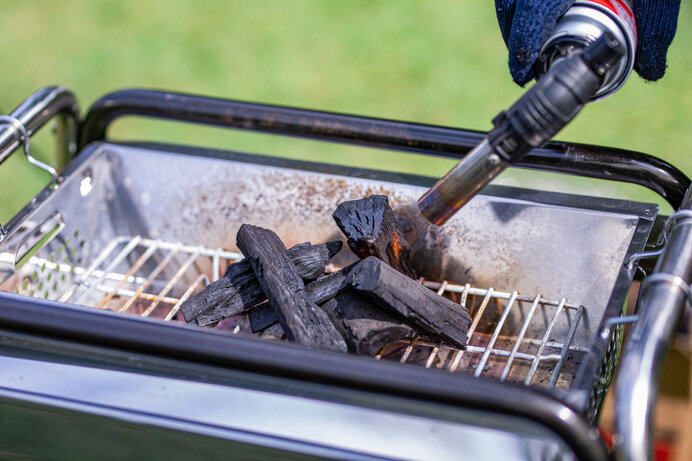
x=94, y=269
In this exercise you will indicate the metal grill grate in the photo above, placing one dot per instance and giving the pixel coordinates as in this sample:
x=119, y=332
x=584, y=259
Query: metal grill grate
x=521, y=350
x=510, y=338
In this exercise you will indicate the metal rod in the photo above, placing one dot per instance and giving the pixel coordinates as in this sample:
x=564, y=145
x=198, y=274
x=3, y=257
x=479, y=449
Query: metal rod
x=436, y=348
x=201, y=278
x=381, y=352
x=476, y=318
x=575, y=159
x=179, y=247
x=441, y=290
x=97, y=262
x=157, y=270
x=662, y=299
x=455, y=288
x=479, y=312
x=215, y=265
x=458, y=355
x=518, y=355
x=171, y=283
x=465, y=294
x=408, y=350
x=620, y=320
x=118, y=258
x=142, y=295
x=34, y=112
x=433, y=354
x=520, y=338
x=135, y=267
x=565, y=348
x=496, y=333
x=471, y=348
x=546, y=336
x=67, y=268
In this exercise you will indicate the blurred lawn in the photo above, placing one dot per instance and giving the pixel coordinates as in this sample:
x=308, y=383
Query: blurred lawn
x=434, y=61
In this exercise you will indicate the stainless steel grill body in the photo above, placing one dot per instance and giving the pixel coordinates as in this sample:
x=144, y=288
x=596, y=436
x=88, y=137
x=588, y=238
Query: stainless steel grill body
x=136, y=229
x=562, y=248
x=538, y=277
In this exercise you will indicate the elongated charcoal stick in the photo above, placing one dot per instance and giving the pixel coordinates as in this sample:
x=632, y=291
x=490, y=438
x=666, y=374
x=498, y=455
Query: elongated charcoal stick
x=410, y=301
x=301, y=319
x=318, y=291
x=238, y=289
x=366, y=327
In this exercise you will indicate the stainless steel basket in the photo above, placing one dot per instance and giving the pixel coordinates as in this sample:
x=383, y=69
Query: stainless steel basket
x=131, y=231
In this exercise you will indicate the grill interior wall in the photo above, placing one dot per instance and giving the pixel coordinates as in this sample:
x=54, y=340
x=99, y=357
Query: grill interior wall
x=506, y=243
x=557, y=251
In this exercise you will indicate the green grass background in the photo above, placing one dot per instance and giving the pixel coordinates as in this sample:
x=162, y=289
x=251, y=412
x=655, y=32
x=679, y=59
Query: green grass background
x=433, y=61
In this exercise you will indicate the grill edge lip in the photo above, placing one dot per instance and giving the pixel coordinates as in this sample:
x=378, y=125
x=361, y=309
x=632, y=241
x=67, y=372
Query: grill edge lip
x=152, y=337
x=570, y=158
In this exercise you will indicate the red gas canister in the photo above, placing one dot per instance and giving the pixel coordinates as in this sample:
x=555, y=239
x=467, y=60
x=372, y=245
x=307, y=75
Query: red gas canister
x=583, y=24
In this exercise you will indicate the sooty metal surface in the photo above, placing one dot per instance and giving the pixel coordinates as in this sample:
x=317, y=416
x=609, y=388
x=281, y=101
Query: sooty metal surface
x=108, y=236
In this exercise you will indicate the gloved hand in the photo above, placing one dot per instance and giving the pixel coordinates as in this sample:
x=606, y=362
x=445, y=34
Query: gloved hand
x=527, y=24
x=657, y=21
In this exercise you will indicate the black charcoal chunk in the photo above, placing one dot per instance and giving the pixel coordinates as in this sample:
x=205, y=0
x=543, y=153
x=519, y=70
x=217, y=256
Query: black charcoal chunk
x=301, y=319
x=238, y=289
x=411, y=302
x=373, y=230
x=365, y=326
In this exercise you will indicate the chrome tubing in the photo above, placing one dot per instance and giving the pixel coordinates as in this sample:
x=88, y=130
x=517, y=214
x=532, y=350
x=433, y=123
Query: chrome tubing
x=461, y=183
x=662, y=299
x=33, y=113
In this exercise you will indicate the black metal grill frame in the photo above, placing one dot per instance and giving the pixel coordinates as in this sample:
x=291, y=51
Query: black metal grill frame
x=68, y=322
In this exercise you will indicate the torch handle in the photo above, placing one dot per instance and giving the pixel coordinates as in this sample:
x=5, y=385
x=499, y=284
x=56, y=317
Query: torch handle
x=530, y=122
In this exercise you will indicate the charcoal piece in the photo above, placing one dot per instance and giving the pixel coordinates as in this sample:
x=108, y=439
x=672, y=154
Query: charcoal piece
x=262, y=317
x=230, y=295
x=234, y=324
x=301, y=319
x=412, y=302
x=372, y=230
x=319, y=291
x=238, y=289
x=328, y=286
x=309, y=260
x=273, y=332
x=364, y=325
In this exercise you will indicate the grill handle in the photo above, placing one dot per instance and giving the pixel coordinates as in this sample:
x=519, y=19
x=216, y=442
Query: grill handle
x=33, y=113
x=662, y=300
x=575, y=159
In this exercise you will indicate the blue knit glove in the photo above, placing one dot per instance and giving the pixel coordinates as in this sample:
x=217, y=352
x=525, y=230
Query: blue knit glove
x=527, y=24
x=657, y=21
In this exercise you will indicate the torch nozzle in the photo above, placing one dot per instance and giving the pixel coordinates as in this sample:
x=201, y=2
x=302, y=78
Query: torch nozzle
x=461, y=183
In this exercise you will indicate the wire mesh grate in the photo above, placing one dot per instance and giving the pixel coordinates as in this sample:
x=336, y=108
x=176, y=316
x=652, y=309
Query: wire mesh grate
x=511, y=338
